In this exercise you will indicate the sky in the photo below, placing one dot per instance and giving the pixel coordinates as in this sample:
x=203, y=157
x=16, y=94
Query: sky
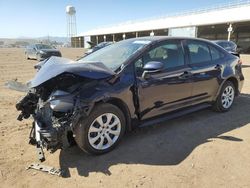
x=38, y=18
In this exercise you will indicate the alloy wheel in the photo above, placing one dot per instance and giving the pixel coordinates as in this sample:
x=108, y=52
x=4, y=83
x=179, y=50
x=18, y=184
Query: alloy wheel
x=227, y=97
x=104, y=131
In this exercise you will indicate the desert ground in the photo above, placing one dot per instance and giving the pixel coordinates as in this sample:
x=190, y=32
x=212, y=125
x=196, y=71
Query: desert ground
x=202, y=149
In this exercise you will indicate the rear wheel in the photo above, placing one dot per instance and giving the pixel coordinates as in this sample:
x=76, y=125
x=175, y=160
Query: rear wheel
x=225, y=99
x=102, y=130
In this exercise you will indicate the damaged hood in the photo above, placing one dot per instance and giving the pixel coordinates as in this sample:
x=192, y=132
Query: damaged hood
x=57, y=65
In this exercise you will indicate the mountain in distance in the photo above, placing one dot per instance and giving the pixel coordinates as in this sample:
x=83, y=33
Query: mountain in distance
x=54, y=38
x=29, y=40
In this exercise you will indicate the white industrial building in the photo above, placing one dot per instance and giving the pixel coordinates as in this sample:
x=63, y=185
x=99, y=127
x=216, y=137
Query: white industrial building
x=228, y=22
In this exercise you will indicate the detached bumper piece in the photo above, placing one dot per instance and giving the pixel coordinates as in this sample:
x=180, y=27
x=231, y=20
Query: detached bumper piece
x=48, y=169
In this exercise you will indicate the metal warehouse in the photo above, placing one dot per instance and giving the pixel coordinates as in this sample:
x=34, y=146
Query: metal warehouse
x=227, y=22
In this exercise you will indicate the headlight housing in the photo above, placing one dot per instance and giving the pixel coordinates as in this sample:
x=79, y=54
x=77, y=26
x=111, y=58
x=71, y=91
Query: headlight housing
x=61, y=101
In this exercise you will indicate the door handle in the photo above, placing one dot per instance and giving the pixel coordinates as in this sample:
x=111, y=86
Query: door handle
x=217, y=67
x=185, y=75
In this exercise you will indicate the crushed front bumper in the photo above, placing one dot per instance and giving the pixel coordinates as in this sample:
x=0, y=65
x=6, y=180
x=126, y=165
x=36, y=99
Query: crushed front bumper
x=52, y=127
x=49, y=138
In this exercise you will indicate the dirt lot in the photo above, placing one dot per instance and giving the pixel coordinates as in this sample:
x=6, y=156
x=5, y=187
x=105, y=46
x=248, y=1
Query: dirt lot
x=203, y=149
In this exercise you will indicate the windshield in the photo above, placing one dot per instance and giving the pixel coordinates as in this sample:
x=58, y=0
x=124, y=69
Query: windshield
x=43, y=46
x=115, y=55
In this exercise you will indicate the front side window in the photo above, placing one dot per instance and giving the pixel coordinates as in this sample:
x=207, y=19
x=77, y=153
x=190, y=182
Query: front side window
x=169, y=53
x=198, y=52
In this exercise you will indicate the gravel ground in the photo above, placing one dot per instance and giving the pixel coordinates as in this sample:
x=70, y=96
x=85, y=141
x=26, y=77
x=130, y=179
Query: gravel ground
x=203, y=149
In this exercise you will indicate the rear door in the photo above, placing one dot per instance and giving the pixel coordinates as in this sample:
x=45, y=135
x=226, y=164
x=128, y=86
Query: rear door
x=205, y=64
x=169, y=89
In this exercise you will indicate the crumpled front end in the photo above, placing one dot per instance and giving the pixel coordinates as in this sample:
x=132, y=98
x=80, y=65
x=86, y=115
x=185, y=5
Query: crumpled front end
x=55, y=111
x=55, y=102
x=52, y=126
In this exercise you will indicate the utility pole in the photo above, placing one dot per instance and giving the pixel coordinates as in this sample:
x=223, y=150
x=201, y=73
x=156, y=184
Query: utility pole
x=229, y=30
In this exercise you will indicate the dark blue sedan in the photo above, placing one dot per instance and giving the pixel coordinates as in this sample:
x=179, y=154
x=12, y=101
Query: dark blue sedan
x=135, y=82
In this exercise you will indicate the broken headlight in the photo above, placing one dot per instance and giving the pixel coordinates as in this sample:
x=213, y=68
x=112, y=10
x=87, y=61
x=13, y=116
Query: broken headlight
x=61, y=101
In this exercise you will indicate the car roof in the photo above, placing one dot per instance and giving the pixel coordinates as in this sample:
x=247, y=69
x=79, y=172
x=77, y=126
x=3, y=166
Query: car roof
x=159, y=38
x=155, y=39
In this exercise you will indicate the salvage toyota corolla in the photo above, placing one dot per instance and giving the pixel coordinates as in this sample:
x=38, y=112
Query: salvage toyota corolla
x=135, y=82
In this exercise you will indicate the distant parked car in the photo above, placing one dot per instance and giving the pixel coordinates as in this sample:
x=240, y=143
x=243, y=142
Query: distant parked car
x=98, y=47
x=229, y=46
x=41, y=52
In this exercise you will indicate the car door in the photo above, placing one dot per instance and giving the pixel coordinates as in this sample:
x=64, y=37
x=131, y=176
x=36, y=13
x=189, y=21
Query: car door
x=204, y=61
x=167, y=90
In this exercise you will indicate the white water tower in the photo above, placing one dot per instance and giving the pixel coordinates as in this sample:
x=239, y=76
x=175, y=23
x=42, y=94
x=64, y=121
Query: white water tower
x=71, y=21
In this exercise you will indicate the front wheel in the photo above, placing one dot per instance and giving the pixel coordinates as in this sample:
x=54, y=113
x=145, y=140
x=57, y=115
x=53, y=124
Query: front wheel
x=226, y=97
x=101, y=131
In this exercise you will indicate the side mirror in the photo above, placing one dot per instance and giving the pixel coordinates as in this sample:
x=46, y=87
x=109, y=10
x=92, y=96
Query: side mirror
x=152, y=67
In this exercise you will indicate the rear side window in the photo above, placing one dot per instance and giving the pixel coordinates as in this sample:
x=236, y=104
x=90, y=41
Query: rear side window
x=215, y=54
x=198, y=52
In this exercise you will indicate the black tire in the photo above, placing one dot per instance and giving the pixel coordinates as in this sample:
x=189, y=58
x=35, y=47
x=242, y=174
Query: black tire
x=218, y=104
x=82, y=129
